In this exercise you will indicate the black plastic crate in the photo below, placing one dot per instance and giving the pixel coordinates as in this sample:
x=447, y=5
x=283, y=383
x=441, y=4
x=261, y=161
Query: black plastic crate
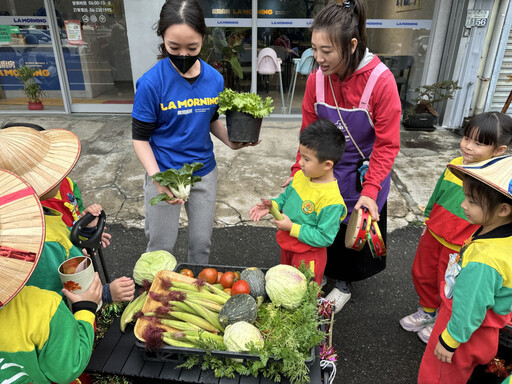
x=505, y=339
x=174, y=354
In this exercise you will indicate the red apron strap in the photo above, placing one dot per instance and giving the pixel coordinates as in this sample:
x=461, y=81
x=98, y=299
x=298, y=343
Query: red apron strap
x=372, y=80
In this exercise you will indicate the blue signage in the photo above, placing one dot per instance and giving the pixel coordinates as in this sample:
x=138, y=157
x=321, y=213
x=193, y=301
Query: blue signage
x=42, y=60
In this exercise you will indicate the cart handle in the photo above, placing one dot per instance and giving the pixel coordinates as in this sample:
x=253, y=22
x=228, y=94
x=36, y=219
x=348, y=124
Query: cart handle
x=93, y=243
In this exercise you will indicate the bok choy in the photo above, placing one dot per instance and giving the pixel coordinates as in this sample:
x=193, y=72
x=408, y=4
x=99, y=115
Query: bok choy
x=179, y=182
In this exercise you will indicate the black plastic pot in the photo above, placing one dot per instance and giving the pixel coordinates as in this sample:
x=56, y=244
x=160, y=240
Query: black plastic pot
x=242, y=127
x=420, y=122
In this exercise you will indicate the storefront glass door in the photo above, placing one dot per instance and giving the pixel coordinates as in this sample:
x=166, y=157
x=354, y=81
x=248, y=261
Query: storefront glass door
x=25, y=41
x=96, y=54
x=398, y=32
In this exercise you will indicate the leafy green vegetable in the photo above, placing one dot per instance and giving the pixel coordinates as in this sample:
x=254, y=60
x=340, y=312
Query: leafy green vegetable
x=250, y=103
x=285, y=285
x=179, y=181
x=239, y=336
x=288, y=337
x=150, y=263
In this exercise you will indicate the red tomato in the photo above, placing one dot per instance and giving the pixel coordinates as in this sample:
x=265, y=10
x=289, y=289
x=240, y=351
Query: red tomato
x=237, y=276
x=219, y=276
x=240, y=286
x=187, y=272
x=209, y=275
x=227, y=279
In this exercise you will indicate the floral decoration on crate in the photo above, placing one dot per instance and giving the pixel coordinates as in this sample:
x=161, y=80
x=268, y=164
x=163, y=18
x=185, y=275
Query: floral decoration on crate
x=499, y=367
x=328, y=354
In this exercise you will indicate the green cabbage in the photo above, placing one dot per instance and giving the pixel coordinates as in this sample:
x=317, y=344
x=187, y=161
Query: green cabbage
x=150, y=263
x=239, y=336
x=285, y=286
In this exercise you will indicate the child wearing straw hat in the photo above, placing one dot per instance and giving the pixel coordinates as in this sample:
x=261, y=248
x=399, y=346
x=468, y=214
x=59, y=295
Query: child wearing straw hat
x=67, y=200
x=485, y=136
x=44, y=159
x=41, y=340
x=477, y=291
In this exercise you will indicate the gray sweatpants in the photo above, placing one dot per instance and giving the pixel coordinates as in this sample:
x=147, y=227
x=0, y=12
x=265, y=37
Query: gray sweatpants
x=162, y=220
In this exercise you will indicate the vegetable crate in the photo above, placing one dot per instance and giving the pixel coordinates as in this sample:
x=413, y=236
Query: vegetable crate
x=179, y=354
x=505, y=339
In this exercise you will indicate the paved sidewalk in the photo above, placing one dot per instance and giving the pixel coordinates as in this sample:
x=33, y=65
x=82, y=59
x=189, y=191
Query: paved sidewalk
x=370, y=343
x=109, y=173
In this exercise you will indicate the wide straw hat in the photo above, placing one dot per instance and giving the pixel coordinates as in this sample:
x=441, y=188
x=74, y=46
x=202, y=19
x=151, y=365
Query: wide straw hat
x=495, y=172
x=22, y=233
x=42, y=158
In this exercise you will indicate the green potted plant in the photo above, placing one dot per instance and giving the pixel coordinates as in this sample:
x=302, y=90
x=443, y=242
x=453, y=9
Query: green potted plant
x=244, y=114
x=217, y=49
x=32, y=89
x=422, y=115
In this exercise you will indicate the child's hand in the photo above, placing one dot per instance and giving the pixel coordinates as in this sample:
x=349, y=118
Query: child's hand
x=260, y=210
x=94, y=210
x=442, y=354
x=122, y=289
x=105, y=238
x=285, y=224
x=286, y=182
x=92, y=294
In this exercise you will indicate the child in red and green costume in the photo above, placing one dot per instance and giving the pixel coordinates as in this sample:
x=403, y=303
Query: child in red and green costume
x=477, y=289
x=68, y=201
x=48, y=157
x=485, y=136
x=41, y=340
x=312, y=205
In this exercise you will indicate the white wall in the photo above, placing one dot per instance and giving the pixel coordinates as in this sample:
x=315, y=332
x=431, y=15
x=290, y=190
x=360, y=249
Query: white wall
x=141, y=19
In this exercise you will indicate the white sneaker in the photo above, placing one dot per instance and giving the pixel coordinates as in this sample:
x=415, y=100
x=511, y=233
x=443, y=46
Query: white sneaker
x=324, y=281
x=425, y=333
x=339, y=298
x=416, y=321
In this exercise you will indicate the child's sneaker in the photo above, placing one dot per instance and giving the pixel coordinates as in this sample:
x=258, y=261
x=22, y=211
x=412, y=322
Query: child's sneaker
x=425, y=333
x=416, y=321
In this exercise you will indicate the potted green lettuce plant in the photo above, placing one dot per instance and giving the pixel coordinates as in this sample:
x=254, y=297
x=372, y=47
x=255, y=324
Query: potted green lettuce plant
x=244, y=114
x=32, y=89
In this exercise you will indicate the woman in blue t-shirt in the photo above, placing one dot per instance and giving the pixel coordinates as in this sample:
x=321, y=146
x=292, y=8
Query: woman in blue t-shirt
x=174, y=112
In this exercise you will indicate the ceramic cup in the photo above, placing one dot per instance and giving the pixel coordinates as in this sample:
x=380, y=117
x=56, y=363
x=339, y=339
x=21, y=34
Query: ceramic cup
x=77, y=282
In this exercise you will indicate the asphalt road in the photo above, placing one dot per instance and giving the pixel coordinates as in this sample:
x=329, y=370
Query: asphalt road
x=370, y=343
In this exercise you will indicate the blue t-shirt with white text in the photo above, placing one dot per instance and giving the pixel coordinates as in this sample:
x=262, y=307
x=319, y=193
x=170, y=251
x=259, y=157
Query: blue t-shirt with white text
x=182, y=113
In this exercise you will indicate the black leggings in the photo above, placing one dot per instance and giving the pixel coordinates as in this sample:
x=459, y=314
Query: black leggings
x=351, y=265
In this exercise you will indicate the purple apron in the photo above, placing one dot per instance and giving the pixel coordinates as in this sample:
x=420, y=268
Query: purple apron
x=342, y=263
x=361, y=128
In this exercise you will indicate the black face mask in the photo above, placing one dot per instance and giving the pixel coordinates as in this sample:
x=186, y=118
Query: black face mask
x=183, y=63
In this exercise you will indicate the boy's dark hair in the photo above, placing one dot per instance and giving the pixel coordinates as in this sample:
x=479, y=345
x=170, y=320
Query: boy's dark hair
x=344, y=21
x=486, y=197
x=325, y=138
x=180, y=12
x=490, y=128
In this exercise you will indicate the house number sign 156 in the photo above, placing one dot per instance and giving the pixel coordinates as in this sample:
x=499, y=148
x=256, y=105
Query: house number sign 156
x=477, y=18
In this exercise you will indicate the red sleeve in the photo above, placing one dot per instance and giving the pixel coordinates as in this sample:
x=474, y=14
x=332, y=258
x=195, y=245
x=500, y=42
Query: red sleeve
x=308, y=112
x=386, y=111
